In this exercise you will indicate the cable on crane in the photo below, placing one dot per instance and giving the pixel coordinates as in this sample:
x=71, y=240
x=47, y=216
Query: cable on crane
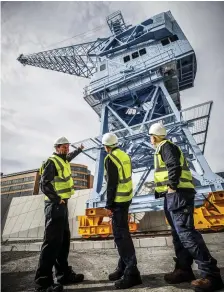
x=77, y=35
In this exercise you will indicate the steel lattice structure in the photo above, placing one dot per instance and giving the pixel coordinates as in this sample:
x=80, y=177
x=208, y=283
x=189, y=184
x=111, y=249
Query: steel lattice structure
x=136, y=76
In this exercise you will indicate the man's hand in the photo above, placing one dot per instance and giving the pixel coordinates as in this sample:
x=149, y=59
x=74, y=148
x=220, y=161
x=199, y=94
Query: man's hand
x=110, y=213
x=62, y=202
x=170, y=190
x=81, y=147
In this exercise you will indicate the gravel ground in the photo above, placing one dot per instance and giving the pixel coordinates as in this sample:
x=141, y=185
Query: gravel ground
x=18, y=269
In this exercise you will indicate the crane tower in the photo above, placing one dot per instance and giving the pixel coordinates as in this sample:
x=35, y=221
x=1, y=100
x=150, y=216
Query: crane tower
x=136, y=76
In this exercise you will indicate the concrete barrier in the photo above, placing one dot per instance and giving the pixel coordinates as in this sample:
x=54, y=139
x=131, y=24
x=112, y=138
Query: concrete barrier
x=214, y=241
x=25, y=219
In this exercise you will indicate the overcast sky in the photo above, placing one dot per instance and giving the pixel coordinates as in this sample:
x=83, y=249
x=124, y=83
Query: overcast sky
x=40, y=105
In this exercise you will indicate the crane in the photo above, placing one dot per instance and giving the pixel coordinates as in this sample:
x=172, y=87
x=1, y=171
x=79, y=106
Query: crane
x=136, y=76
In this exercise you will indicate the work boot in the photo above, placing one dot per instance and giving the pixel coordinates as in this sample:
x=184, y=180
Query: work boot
x=179, y=275
x=52, y=288
x=207, y=284
x=128, y=281
x=116, y=275
x=71, y=278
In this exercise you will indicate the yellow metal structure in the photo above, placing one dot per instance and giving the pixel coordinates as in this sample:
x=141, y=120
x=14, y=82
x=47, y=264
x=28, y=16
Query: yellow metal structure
x=93, y=225
x=208, y=217
x=211, y=214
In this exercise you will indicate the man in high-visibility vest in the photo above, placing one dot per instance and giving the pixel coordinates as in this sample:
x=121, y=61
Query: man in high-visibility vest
x=57, y=185
x=173, y=181
x=118, y=175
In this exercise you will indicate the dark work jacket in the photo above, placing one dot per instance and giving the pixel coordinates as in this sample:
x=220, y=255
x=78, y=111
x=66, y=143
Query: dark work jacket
x=112, y=179
x=50, y=172
x=170, y=154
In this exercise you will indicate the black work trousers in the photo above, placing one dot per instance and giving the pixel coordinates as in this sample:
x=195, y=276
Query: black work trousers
x=127, y=261
x=188, y=243
x=56, y=244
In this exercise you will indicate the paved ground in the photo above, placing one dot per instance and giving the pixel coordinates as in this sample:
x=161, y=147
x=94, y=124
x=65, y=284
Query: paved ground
x=18, y=269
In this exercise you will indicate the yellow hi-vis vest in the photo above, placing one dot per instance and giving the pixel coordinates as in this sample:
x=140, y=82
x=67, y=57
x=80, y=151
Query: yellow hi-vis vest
x=41, y=170
x=161, y=172
x=63, y=183
x=123, y=162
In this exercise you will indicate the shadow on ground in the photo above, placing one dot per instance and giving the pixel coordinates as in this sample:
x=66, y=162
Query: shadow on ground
x=23, y=282
x=148, y=281
x=17, y=281
x=7, y=257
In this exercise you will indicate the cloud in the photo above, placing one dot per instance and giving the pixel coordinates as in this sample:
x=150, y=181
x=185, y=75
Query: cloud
x=41, y=105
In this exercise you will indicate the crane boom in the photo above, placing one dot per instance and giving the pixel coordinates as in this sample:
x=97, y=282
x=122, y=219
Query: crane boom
x=79, y=60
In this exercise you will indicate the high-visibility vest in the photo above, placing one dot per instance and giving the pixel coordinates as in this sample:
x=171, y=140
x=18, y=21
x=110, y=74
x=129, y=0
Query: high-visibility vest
x=63, y=182
x=161, y=173
x=41, y=169
x=123, y=163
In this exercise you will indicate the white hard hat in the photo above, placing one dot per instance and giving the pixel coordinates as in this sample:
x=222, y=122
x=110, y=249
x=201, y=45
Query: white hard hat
x=157, y=129
x=60, y=141
x=109, y=139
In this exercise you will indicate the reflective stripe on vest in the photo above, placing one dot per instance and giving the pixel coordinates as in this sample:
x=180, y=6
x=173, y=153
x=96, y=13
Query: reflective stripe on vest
x=123, y=163
x=161, y=172
x=63, y=182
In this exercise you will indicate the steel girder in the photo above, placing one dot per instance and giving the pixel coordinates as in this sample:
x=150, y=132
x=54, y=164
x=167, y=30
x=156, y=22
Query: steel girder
x=186, y=128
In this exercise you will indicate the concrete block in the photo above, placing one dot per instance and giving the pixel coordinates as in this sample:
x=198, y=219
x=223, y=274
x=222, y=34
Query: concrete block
x=12, y=210
x=32, y=233
x=109, y=244
x=71, y=207
x=14, y=235
x=77, y=245
x=136, y=242
x=17, y=227
x=154, y=220
x=82, y=245
x=169, y=241
x=34, y=246
x=34, y=204
x=74, y=227
x=37, y=218
x=213, y=238
x=40, y=203
x=72, y=245
x=26, y=206
x=23, y=233
x=19, y=247
x=98, y=244
x=18, y=209
x=8, y=228
x=87, y=245
x=5, y=248
x=29, y=198
x=40, y=232
x=23, y=199
x=81, y=205
x=14, y=201
x=42, y=221
x=4, y=238
x=151, y=242
x=29, y=219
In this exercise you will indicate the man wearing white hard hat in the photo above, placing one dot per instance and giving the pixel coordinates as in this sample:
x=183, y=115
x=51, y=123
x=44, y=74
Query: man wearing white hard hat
x=57, y=185
x=173, y=181
x=118, y=174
